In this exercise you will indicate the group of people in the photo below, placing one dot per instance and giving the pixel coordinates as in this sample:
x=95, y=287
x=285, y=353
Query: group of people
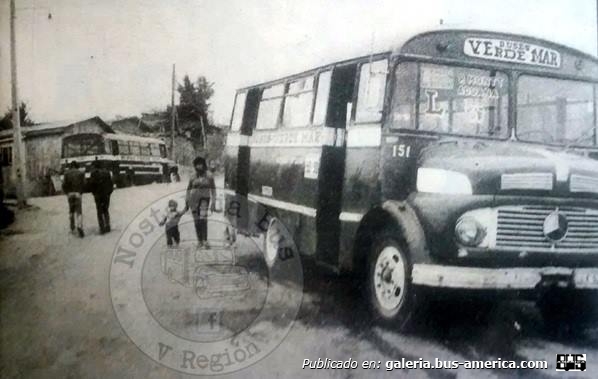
x=101, y=186
x=200, y=199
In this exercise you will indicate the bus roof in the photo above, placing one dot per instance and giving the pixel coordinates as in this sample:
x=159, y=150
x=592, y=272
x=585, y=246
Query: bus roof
x=449, y=44
x=131, y=137
x=315, y=70
x=503, y=50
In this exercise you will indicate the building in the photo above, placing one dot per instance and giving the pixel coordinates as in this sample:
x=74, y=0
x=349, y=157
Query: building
x=43, y=149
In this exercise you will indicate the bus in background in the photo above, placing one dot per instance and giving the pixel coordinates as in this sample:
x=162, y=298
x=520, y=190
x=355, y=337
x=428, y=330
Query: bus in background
x=462, y=160
x=131, y=159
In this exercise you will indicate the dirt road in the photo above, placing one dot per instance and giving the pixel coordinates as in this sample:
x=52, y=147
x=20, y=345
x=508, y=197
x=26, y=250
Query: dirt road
x=57, y=317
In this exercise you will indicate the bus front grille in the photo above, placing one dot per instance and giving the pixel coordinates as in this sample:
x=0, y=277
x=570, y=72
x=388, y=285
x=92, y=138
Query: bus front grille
x=581, y=183
x=522, y=228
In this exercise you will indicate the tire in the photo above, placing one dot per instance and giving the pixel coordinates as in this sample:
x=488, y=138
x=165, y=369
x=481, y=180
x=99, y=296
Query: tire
x=391, y=296
x=271, y=243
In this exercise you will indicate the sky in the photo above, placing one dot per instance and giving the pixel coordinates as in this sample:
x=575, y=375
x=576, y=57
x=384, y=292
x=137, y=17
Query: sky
x=114, y=57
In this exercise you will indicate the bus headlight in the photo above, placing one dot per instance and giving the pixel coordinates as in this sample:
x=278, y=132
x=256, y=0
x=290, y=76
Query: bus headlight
x=436, y=180
x=469, y=232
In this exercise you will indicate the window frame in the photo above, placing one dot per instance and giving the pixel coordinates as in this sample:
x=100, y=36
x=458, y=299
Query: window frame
x=385, y=96
x=287, y=87
x=511, y=101
x=232, y=118
x=278, y=121
x=6, y=152
x=317, y=76
x=515, y=87
x=124, y=144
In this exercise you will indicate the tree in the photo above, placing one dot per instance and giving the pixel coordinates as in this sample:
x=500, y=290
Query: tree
x=194, y=106
x=6, y=122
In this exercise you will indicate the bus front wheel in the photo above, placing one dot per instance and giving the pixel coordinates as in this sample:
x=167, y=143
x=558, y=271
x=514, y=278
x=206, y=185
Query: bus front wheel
x=392, y=298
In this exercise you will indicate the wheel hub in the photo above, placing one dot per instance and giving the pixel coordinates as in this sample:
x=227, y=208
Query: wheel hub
x=389, y=278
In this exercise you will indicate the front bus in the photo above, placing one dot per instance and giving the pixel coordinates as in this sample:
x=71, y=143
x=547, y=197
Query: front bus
x=463, y=160
x=488, y=175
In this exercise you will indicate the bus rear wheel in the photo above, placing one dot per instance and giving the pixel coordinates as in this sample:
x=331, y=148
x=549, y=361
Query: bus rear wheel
x=390, y=293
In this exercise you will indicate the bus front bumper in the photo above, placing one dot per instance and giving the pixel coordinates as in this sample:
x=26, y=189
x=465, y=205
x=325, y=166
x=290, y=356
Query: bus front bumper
x=516, y=278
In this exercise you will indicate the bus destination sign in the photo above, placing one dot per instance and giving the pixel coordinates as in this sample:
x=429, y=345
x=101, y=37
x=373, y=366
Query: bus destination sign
x=512, y=51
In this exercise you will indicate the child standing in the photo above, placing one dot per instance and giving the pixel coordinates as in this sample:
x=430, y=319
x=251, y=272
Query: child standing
x=171, y=220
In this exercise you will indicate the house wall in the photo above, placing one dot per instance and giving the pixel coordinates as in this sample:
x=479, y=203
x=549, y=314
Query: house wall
x=43, y=160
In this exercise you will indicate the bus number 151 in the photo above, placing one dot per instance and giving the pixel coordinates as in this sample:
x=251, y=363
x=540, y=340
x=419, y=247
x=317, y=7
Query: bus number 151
x=402, y=151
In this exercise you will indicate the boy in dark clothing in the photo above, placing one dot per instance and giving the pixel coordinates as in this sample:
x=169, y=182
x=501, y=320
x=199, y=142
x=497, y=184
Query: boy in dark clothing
x=201, y=193
x=171, y=220
x=72, y=186
x=101, y=185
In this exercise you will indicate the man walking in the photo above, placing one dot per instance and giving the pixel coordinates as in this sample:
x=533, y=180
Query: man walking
x=101, y=185
x=72, y=186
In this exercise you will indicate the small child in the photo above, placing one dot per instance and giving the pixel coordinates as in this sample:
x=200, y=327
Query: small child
x=171, y=220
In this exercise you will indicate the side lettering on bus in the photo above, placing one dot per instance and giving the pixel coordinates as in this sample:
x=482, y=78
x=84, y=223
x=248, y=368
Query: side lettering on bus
x=512, y=51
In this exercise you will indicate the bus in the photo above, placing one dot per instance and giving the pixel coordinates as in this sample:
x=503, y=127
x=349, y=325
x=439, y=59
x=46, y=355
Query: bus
x=460, y=160
x=131, y=159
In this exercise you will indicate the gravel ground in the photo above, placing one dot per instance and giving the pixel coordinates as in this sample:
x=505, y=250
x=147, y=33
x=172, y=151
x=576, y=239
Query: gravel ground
x=57, y=317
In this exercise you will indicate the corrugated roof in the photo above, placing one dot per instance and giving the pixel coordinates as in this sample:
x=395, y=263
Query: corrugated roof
x=48, y=126
x=131, y=137
x=39, y=127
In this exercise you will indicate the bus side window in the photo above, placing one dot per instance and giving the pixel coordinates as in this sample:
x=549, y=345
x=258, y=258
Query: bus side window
x=135, y=148
x=322, y=97
x=269, y=110
x=370, y=96
x=238, y=111
x=123, y=147
x=163, y=151
x=298, y=103
x=155, y=150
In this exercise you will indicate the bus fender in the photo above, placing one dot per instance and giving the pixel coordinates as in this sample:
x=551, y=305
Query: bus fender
x=399, y=217
x=410, y=229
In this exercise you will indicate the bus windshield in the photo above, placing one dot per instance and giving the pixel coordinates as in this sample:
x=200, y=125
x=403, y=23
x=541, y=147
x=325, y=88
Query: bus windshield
x=556, y=111
x=452, y=100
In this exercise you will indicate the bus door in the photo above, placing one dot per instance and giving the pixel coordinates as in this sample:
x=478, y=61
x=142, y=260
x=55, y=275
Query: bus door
x=332, y=164
x=401, y=143
x=361, y=188
x=237, y=156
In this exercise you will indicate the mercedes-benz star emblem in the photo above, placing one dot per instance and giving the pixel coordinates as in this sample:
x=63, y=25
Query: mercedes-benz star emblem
x=556, y=226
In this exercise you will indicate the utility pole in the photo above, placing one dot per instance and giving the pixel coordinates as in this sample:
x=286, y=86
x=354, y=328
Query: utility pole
x=18, y=163
x=172, y=115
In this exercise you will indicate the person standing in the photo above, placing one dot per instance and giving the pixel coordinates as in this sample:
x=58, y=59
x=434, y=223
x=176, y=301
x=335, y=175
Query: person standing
x=73, y=186
x=201, y=193
x=101, y=185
